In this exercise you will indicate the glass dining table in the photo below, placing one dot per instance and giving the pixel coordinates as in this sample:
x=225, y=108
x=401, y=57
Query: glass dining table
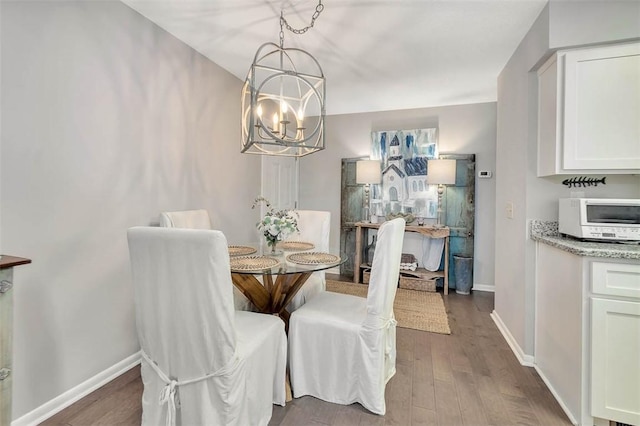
x=283, y=274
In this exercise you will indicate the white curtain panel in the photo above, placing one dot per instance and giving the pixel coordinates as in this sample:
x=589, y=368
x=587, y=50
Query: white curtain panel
x=342, y=348
x=314, y=226
x=204, y=362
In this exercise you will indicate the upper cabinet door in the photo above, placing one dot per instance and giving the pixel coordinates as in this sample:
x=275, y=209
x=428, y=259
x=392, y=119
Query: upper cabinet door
x=589, y=111
x=602, y=107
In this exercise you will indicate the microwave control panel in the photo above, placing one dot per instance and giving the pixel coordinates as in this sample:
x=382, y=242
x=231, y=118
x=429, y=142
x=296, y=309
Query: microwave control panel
x=611, y=233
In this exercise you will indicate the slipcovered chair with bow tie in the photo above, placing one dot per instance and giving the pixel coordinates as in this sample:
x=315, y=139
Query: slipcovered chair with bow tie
x=315, y=227
x=199, y=219
x=203, y=362
x=342, y=348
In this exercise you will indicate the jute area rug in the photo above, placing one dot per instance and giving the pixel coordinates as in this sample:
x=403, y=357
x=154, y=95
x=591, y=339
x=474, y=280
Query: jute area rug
x=419, y=310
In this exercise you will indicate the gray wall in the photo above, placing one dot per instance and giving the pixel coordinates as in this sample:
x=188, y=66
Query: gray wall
x=106, y=121
x=464, y=129
x=560, y=25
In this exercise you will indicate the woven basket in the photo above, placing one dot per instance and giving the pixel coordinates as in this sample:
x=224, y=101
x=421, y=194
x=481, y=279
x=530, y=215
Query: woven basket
x=420, y=284
x=409, y=283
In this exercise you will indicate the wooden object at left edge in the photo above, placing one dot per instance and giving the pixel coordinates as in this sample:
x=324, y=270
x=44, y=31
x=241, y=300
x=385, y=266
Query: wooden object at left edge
x=7, y=263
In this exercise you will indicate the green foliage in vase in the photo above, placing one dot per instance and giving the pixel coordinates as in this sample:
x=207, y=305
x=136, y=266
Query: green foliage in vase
x=276, y=225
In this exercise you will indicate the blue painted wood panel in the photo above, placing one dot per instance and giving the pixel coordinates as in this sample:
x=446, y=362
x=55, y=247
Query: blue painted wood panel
x=459, y=210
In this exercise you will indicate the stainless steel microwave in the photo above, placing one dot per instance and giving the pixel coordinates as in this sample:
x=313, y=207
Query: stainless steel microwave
x=600, y=218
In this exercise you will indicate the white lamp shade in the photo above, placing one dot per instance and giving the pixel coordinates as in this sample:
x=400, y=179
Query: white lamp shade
x=441, y=172
x=368, y=171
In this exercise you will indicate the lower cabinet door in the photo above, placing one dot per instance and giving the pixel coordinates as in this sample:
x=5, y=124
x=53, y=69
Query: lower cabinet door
x=615, y=360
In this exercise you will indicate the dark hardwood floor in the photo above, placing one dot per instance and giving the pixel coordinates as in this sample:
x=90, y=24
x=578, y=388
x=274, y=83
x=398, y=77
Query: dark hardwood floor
x=470, y=377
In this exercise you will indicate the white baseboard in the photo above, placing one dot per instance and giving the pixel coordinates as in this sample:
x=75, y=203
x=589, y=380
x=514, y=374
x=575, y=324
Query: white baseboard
x=484, y=287
x=556, y=396
x=60, y=402
x=524, y=359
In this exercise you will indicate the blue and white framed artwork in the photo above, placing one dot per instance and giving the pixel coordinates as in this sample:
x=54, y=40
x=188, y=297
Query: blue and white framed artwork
x=404, y=155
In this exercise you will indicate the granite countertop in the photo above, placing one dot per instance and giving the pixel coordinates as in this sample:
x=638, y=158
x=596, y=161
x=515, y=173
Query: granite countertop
x=547, y=232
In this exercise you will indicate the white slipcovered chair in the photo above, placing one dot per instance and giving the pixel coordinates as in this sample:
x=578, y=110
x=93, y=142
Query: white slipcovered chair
x=191, y=219
x=203, y=362
x=199, y=219
x=342, y=348
x=315, y=227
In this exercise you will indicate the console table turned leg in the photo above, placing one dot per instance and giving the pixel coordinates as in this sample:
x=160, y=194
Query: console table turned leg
x=446, y=265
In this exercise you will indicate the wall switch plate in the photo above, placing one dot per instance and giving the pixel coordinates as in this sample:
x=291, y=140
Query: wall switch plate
x=509, y=209
x=485, y=174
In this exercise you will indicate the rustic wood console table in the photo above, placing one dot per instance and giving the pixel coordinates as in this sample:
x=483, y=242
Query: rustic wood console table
x=427, y=231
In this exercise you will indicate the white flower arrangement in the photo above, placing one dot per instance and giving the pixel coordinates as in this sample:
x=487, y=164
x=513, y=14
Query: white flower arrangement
x=276, y=225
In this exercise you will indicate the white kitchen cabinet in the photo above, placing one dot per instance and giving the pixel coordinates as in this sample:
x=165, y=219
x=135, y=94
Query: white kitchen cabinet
x=589, y=111
x=615, y=360
x=587, y=334
x=615, y=342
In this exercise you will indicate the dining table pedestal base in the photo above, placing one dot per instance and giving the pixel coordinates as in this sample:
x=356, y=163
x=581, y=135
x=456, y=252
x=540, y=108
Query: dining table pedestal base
x=271, y=297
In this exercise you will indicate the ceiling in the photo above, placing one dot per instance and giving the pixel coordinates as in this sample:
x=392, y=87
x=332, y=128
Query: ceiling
x=376, y=55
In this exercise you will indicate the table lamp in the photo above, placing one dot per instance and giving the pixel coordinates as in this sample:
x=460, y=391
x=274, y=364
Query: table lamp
x=441, y=172
x=367, y=172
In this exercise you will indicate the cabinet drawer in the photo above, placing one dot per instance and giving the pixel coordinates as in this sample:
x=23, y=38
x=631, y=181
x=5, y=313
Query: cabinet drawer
x=616, y=279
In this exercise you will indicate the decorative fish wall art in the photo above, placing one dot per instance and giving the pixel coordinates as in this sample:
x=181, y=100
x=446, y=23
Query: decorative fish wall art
x=583, y=181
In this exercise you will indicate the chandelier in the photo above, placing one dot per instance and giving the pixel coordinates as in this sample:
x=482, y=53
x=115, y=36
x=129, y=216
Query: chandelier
x=283, y=99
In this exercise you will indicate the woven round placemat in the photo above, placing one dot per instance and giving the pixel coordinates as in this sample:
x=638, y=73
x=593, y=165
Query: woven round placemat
x=295, y=245
x=241, y=250
x=312, y=258
x=253, y=263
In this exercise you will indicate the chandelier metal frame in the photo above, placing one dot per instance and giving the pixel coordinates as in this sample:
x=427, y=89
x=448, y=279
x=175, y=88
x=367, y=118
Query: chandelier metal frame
x=286, y=83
